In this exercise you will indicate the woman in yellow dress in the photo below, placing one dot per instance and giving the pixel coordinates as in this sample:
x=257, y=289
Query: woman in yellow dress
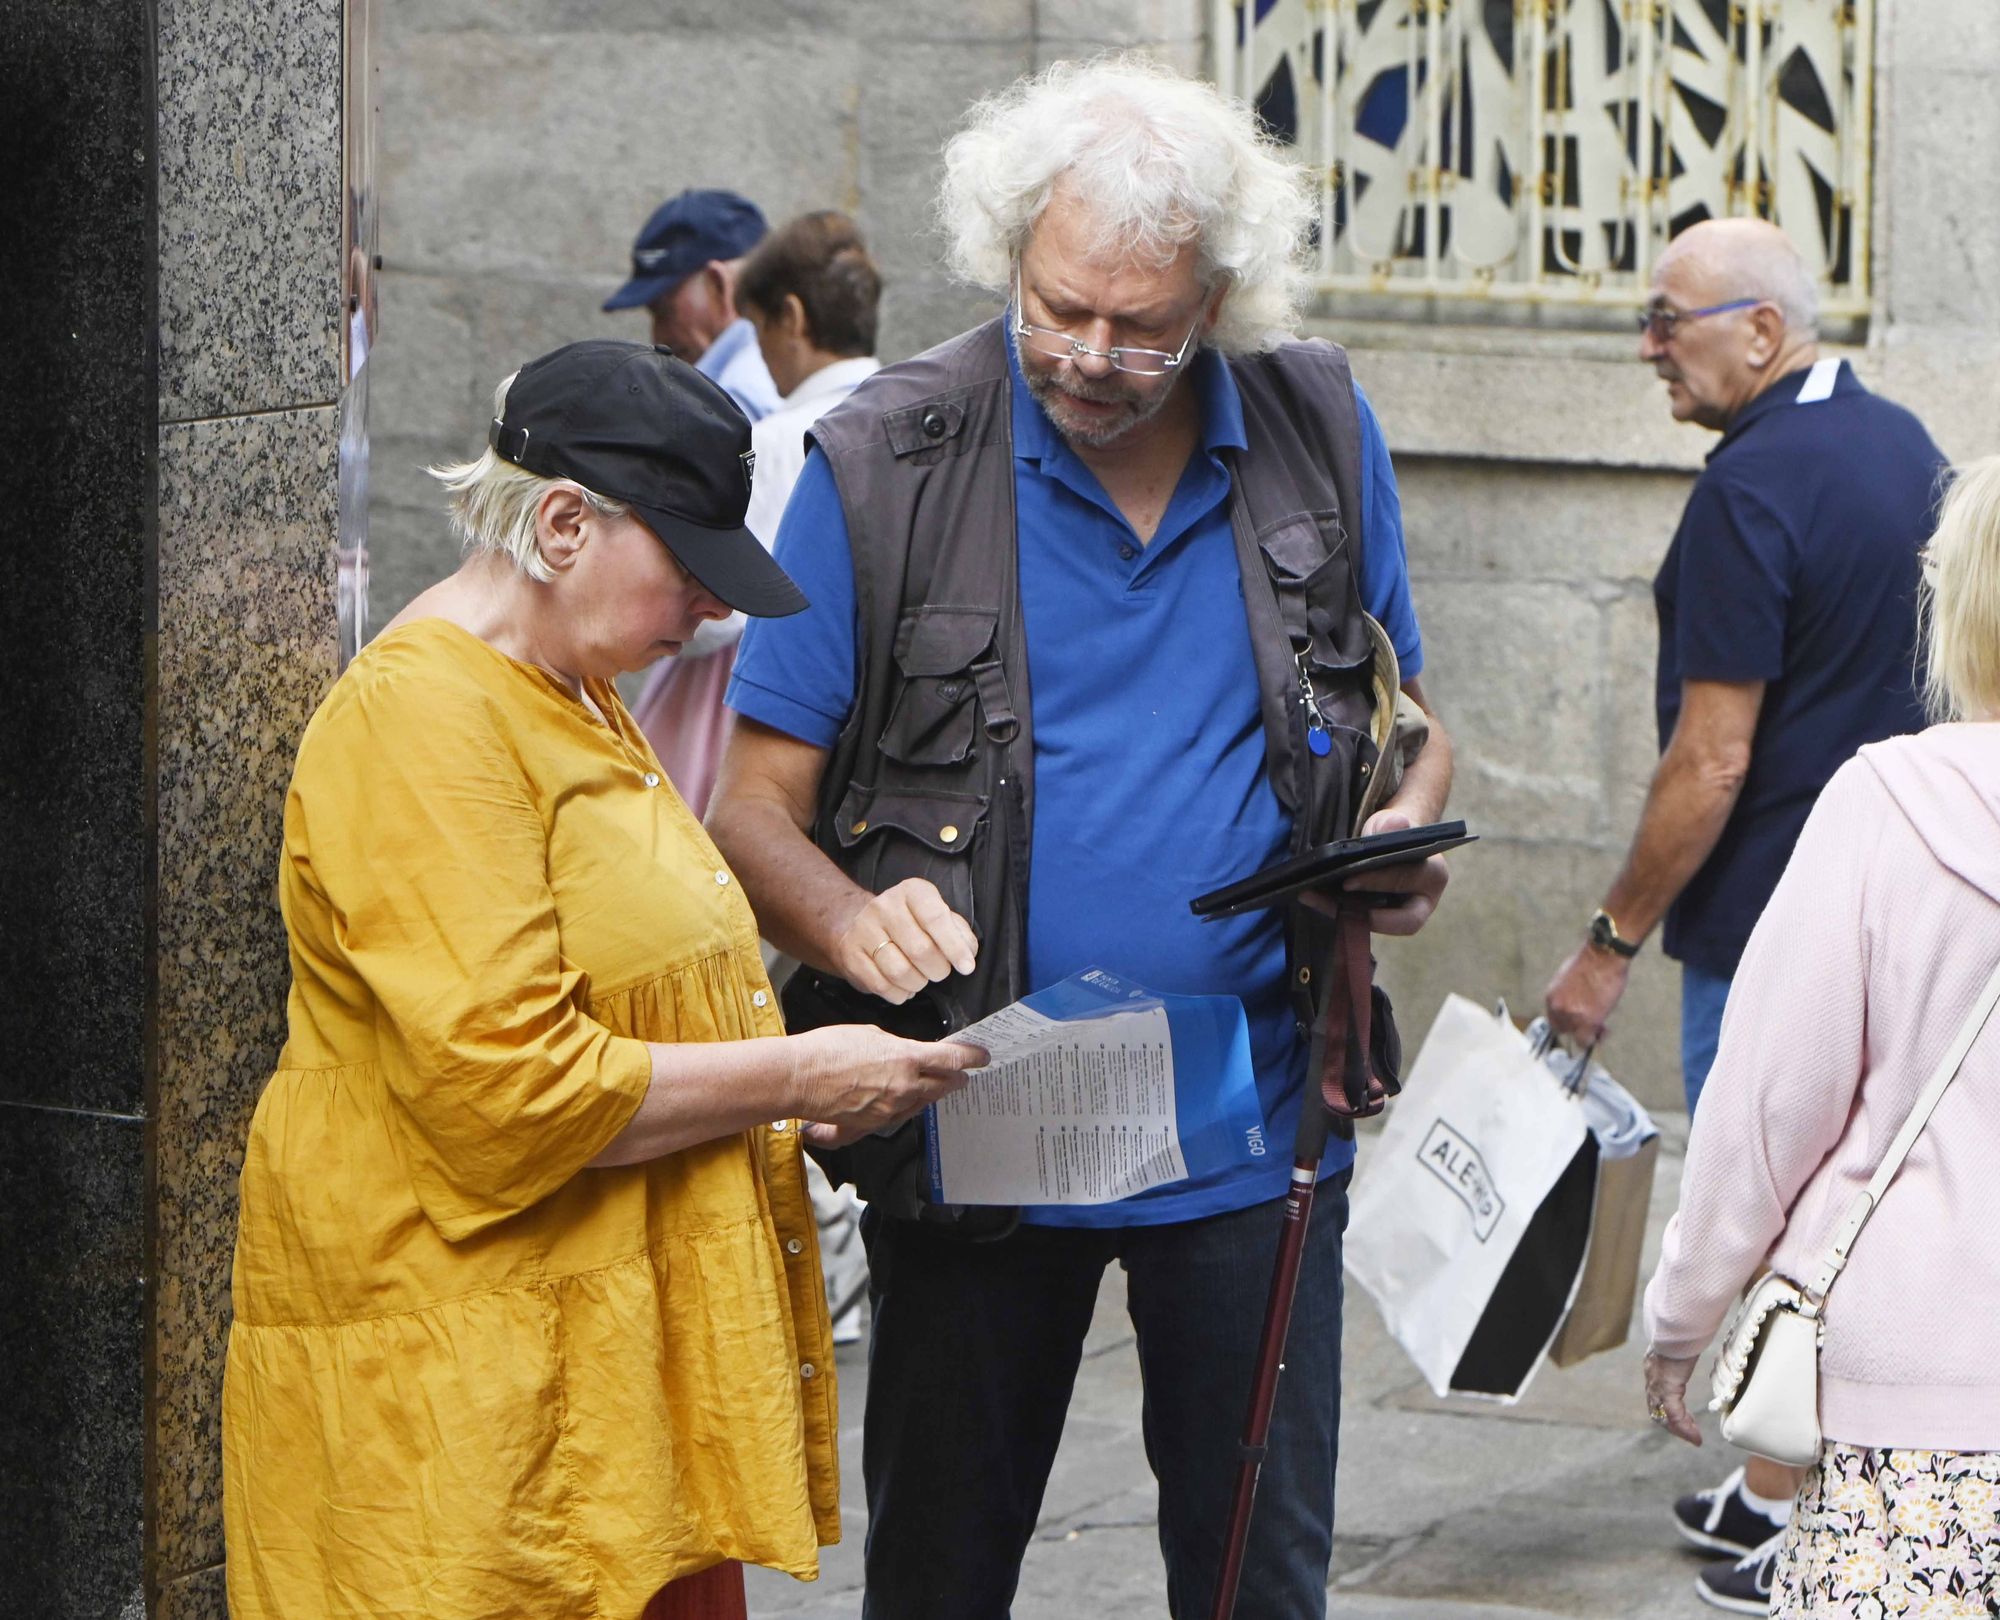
x=528, y=1317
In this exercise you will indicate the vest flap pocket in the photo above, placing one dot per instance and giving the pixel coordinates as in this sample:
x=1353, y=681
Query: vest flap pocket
x=937, y=649
x=943, y=640
x=893, y=834
x=1297, y=547
x=944, y=822
x=927, y=425
x=1312, y=574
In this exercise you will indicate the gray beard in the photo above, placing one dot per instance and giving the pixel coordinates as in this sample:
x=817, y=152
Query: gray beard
x=1045, y=391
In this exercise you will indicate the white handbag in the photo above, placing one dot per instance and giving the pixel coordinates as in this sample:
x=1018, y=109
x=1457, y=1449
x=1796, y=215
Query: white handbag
x=1766, y=1381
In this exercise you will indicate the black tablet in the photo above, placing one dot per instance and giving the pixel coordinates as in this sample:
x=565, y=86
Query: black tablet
x=1328, y=865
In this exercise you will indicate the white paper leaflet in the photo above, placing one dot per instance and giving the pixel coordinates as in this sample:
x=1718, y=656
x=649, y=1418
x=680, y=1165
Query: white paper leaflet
x=1070, y=1111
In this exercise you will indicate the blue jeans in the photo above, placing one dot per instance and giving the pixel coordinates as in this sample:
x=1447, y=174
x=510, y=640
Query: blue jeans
x=970, y=1367
x=1703, y=996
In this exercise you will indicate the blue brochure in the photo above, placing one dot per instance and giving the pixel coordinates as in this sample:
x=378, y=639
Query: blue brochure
x=1098, y=1089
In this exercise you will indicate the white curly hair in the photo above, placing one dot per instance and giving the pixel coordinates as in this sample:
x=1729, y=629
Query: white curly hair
x=1159, y=160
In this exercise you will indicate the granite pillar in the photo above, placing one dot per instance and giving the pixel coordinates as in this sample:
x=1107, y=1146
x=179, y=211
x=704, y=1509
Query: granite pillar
x=176, y=361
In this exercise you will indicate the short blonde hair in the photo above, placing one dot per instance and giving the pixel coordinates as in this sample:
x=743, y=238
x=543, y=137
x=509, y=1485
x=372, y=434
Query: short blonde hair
x=1159, y=160
x=493, y=502
x=1959, y=606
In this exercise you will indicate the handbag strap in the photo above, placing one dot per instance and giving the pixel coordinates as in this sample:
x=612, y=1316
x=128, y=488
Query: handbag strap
x=1913, y=1126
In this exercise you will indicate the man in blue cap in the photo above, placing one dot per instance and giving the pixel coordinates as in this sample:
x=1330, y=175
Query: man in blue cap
x=684, y=266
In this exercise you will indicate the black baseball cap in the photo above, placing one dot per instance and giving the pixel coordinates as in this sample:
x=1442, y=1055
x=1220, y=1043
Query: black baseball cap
x=630, y=422
x=685, y=233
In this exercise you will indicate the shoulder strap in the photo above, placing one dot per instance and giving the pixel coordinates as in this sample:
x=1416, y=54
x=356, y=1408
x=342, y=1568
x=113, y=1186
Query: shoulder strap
x=1899, y=1150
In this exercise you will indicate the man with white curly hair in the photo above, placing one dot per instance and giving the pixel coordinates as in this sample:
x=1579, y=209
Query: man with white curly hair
x=1109, y=606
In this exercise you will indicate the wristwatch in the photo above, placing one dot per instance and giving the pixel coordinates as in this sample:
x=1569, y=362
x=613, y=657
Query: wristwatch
x=1604, y=934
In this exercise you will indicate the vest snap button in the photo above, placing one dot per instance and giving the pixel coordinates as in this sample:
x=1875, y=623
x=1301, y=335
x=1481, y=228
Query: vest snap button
x=1305, y=975
x=948, y=833
x=949, y=690
x=933, y=425
x=858, y=828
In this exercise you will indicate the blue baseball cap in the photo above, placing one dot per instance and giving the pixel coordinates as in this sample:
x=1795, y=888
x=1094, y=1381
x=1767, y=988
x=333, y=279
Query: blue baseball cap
x=683, y=235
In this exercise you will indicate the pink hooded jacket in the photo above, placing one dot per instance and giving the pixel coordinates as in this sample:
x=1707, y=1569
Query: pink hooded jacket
x=1880, y=936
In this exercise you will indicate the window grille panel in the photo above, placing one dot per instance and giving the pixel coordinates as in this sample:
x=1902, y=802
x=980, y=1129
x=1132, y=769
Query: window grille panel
x=1544, y=151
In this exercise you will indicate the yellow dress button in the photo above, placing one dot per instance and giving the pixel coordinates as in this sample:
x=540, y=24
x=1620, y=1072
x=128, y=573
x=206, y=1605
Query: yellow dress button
x=760, y=999
x=807, y=1370
x=652, y=779
x=948, y=833
x=721, y=878
x=780, y=1124
x=794, y=1246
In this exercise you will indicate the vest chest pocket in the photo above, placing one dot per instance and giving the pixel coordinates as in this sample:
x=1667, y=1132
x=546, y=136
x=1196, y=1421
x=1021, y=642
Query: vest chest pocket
x=1311, y=566
x=1309, y=563
x=936, y=711
x=894, y=833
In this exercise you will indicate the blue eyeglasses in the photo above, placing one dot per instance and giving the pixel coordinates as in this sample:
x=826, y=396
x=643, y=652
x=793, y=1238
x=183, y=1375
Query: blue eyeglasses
x=1660, y=321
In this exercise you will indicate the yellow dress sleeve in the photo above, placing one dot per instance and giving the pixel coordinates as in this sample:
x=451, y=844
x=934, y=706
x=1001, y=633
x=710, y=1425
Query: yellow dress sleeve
x=423, y=833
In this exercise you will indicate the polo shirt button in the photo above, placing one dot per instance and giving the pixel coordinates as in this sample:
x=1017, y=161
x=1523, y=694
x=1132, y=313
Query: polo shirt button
x=807, y=1370
x=794, y=1246
x=652, y=779
x=721, y=880
x=760, y=999
x=1127, y=553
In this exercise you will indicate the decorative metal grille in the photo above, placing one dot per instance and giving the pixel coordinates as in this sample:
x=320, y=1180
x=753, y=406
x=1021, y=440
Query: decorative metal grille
x=1545, y=150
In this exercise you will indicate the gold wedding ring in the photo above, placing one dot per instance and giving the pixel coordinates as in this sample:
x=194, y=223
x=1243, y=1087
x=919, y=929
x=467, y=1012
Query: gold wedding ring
x=878, y=948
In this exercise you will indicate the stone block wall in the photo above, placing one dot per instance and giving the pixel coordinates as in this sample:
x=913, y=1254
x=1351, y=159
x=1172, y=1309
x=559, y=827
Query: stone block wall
x=1541, y=473
x=523, y=145
x=1542, y=476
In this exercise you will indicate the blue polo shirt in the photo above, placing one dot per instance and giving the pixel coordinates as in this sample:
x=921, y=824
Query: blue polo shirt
x=1150, y=777
x=1795, y=564
x=735, y=363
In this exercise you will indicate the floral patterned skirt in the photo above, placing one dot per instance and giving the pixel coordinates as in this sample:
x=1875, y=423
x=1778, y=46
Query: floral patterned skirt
x=1881, y=1534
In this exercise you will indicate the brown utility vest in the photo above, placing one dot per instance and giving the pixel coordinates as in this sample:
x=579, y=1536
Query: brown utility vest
x=933, y=774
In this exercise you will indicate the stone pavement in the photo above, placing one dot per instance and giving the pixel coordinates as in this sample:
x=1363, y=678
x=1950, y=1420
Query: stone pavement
x=1448, y=1510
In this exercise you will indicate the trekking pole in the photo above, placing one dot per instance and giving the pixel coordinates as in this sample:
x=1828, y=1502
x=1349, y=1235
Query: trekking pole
x=1344, y=1029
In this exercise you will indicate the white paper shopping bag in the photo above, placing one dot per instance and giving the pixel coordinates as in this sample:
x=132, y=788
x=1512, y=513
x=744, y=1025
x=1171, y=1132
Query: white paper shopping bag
x=1480, y=1139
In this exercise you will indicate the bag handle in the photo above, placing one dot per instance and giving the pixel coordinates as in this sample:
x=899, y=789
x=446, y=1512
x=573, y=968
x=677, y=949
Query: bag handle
x=1919, y=1116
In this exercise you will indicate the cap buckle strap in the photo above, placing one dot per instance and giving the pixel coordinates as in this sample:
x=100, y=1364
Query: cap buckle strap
x=509, y=444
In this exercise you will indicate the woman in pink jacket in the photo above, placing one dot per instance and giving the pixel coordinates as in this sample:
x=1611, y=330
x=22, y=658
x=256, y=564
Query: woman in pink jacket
x=1882, y=932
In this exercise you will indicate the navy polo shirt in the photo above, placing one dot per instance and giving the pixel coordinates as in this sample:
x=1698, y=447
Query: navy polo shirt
x=1795, y=564
x=1150, y=777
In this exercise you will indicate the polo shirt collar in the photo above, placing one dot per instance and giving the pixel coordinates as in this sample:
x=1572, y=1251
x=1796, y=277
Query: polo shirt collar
x=1036, y=438
x=1785, y=391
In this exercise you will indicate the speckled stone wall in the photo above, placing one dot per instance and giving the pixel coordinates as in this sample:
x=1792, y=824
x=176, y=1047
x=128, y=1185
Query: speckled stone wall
x=169, y=387
x=249, y=382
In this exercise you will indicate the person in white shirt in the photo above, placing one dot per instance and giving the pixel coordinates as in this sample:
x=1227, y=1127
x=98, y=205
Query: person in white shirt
x=810, y=292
